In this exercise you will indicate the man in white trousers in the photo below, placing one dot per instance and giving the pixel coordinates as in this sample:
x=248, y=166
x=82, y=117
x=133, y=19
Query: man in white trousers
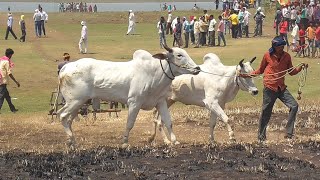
x=132, y=23
x=83, y=43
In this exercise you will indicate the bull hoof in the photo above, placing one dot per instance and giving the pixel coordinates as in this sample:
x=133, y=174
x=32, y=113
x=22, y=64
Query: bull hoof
x=176, y=143
x=150, y=140
x=125, y=146
x=167, y=142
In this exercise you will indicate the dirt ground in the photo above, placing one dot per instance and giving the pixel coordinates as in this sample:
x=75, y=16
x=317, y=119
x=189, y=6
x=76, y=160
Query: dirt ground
x=35, y=148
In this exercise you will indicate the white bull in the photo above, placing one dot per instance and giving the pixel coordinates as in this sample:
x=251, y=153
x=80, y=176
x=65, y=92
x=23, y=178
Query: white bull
x=212, y=88
x=141, y=83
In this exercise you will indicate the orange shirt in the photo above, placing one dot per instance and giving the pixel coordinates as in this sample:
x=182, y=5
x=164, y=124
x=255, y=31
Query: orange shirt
x=310, y=33
x=271, y=65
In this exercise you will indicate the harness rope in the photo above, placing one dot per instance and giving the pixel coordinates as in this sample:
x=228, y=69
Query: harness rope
x=301, y=79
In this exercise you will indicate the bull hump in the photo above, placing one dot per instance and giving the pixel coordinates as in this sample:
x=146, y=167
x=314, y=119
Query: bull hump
x=212, y=59
x=142, y=54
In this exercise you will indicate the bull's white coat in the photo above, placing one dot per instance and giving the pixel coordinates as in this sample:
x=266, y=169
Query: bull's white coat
x=213, y=89
x=139, y=83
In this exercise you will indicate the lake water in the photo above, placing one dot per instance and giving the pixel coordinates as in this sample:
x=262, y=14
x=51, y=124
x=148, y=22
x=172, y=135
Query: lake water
x=103, y=7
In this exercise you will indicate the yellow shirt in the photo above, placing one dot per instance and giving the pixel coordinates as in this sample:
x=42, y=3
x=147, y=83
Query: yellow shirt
x=234, y=19
x=4, y=71
x=310, y=33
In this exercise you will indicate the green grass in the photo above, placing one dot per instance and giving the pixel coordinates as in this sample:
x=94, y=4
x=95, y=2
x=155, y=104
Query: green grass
x=36, y=67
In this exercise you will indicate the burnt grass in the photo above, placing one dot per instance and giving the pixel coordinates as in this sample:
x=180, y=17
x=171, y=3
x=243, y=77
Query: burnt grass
x=234, y=161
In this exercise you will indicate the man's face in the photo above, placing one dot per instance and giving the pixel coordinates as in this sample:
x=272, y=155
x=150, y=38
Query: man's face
x=279, y=49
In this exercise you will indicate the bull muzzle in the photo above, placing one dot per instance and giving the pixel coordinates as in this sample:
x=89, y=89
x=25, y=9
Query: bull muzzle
x=196, y=70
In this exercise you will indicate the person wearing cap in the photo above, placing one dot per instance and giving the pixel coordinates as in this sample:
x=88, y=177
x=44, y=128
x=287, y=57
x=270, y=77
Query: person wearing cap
x=5, y=72
x=23, y=29
x=132, y=23
x=9, y=27
x=83, y=43
x=274, y=65
x=196, y=30
x=37, y=22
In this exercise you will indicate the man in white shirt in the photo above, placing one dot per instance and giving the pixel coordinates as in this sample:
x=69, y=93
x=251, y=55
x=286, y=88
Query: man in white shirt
x=196, y=32
x=246, y=19
x=132, y=23
x=37, y=22
x=9, y=27
x=44, y=19
x=84, y=38
x=169, y=21
x=212, y=34
x=286, y=15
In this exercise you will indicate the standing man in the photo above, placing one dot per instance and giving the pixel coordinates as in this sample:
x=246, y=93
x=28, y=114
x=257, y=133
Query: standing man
x=246, y=19
x=132, y=23
x=221, y=31
x=44, y=19
x=23, y=29
x=277, y=20
x=84, y=38
x=191, y=29
x=196, y=32
x=234, y=23
x=37, y=22
x=185, y=31
x=274, y=66
x=5, y=73
x=161, y=28
x=9, y=27
x=169, y=21
x=212, y=33
x=259, y=20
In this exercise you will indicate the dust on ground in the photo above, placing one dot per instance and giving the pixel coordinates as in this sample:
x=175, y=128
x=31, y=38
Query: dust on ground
x=34, y=148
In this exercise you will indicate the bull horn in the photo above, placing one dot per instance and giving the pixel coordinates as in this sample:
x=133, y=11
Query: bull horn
x=167, y=48
x=241, y=63
x=253, y=60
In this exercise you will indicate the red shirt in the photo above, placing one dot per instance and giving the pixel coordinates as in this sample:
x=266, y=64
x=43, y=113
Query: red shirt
x=271, y=65
x=318, y=34
x=302, y=36
x=284, y=27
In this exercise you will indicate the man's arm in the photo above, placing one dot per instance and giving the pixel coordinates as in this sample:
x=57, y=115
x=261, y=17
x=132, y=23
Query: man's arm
x=11, y=76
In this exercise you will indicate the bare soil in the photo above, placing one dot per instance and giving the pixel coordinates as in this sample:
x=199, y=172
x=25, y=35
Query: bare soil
x=34, y=149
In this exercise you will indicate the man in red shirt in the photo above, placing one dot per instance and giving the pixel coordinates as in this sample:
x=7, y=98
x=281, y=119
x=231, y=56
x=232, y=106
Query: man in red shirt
x=317, y=40
x=274, y=66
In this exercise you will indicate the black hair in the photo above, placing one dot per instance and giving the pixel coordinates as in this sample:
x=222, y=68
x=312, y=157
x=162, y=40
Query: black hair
x=9, y=52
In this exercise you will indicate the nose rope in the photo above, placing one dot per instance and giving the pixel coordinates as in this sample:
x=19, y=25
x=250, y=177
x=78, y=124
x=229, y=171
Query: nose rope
x=165, y=71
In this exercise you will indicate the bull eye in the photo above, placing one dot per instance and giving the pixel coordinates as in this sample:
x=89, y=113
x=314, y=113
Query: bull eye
x=179, y=55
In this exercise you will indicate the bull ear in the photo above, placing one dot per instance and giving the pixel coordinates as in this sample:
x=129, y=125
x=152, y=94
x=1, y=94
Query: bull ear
x=167, y=48
x=160, y=56
x=241, y=63
x=253, y=60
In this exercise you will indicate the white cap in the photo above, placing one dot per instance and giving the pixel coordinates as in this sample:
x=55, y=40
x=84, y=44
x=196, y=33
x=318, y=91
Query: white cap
x=130, y=10
x=83, y=23
x=36, y=10
x=9, y=14
x=259, y=9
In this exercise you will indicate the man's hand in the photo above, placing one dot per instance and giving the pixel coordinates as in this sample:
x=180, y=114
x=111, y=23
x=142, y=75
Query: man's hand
x=245, y=75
